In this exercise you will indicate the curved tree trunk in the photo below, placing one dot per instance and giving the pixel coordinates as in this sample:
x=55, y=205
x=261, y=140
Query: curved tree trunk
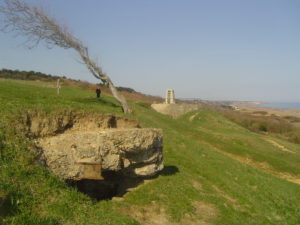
x=119, y=98
x=33, y=23
x=97, y=72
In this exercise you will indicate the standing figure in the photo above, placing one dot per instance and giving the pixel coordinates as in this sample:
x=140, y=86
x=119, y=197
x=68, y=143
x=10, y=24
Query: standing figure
x=58, y=86
x=98, y=92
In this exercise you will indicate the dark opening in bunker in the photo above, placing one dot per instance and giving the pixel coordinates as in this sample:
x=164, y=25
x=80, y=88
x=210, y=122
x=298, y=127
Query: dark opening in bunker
x=112, y=185
x=95, y=189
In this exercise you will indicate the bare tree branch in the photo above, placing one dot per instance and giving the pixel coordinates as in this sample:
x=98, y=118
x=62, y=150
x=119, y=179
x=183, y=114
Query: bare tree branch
x=33, y=23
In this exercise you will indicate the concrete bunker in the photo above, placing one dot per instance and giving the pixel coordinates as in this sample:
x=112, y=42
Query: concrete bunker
x=101, y=155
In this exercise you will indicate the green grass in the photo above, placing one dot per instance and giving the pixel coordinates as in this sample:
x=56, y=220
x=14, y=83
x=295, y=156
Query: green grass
x=16, y=97
x=194, y=170
x=239, y=141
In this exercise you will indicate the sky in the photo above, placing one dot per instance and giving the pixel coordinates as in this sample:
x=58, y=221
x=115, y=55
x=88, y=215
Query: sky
x=211, y=50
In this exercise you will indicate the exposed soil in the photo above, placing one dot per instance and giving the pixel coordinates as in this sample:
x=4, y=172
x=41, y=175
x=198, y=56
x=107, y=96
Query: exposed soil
x=197, y=185
x=155, y=214
x=279, y=146
x=193, y=116
x=36, y=125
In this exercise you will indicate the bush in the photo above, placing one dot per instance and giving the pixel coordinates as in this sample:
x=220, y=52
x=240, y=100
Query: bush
x=26, y=75
x=127, y=89
x=260, y=112
x=292, y=119
x=263, y=127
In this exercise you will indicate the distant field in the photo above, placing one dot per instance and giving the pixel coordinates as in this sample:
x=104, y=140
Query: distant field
x=216, y=172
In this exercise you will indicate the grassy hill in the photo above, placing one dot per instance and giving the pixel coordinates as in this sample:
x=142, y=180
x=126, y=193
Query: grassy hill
x=216, y=172
x=41, y=79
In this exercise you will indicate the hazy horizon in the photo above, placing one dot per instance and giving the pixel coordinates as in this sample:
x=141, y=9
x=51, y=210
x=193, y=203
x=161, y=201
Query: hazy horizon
x=212, y=50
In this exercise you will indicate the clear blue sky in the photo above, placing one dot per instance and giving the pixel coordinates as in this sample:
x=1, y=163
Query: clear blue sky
x=215, y=50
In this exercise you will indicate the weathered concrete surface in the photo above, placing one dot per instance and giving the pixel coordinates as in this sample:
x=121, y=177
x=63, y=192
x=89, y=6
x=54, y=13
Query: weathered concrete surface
x=134, y=152
x=176, y=110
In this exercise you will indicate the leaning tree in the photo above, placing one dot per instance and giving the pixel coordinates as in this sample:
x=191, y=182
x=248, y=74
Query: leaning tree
x=33, y=23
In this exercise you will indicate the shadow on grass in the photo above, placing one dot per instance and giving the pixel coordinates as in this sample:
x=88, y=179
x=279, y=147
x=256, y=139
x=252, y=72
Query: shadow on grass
x=8, y=206
x=114, y=184
x=169, y=171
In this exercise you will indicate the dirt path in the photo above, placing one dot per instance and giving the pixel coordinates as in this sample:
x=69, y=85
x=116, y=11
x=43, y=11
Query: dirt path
x=279, y=146
x=193, y=116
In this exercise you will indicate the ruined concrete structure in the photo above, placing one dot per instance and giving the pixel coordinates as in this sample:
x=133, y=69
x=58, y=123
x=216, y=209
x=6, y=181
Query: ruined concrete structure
x=170, y=97
x=133, y=152
x=176, y=110
x=78, y=145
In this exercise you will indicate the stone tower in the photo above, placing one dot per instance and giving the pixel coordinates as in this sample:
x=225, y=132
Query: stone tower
x=170, y=97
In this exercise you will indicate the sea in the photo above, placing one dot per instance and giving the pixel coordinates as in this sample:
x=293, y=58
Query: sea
x=282, y=105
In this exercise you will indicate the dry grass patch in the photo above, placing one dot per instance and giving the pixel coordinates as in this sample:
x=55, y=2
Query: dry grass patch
x=197, y=185
x=191, y=118
x=204, y=214
x=155, y=214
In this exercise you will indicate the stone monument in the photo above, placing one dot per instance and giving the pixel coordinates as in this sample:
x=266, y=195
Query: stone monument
x=170, y=97
x=175, y=110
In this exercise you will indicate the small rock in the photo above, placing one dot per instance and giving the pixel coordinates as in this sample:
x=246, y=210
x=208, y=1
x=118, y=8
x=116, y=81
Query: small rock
x=117, y=199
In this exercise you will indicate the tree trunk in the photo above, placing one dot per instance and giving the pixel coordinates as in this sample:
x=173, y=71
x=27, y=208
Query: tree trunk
x=119, y=98
x=36, y=25
x=97, y=72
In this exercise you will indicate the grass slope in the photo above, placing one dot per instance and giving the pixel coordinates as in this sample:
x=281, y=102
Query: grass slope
x=201, y=183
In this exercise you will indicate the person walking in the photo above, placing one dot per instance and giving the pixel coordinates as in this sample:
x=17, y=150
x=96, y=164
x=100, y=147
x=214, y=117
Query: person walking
x=98, y=92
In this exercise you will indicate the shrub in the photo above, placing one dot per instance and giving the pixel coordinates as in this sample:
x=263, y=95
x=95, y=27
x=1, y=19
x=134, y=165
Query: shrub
x=263, y=127
x=260, y=112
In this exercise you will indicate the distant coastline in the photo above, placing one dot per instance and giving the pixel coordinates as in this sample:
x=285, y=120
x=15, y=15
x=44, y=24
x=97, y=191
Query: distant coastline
x=281, y=105
x=272, y=108
x=273, y=105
